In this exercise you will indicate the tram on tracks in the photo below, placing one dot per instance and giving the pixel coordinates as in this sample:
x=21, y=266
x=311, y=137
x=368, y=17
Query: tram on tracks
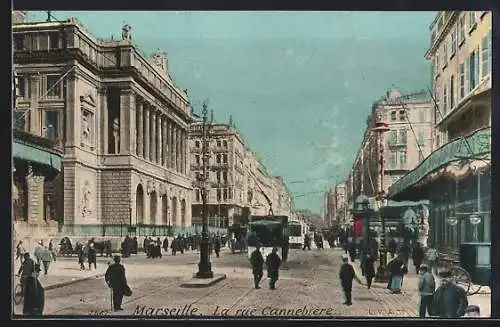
x=268, y=232
x=297, y=232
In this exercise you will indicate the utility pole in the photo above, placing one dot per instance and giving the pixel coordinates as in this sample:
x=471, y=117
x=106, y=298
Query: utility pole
x=204, y=267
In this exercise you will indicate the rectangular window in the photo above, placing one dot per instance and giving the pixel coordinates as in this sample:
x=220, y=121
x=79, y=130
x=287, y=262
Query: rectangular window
x=453, y=42
x=218, y=177
x=19, y=41
x=421, y=138
x=225, y=194
x=197, y=195
x=51, y=127
x=197, y=144
x=53, y=85
x=19, y=122
x=462, y=80
x=218, y=158
x=393, y=137
x=422, y=116
x=445, y=100
x=461, y=36
x=393, y=115
x=402, y=159
x=438, y=63
x=224, y=144
x=402, y=115
x=219, y=194
x=473, y=70
x=438, y=143
x=452, y=92
x=20, y=86
x=224, y=176
x=197, y=158
x=486, y=55
x=393, y=160
x=472, y=19
x=224, y=158
x=218, y=143
x=54, y=40
x=445, y=53
x=421, y=154
x=403, y=136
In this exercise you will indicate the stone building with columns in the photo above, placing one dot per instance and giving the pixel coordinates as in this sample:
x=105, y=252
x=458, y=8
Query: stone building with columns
x=120, y=121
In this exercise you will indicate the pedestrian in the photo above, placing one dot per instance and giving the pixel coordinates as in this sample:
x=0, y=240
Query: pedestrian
x=80, y=251
x=392, y=247
x=20, y=251
x=145, y=246
x=52, y=251
x=346, y=276
x=432, y=258
x=135, y=245
x=472, y=311
x=38, y=252
x=307, y=242
x=34, y=294
x=92, y=255
x=46, y=258
x=273, y=263
x=396, y=271
x=426, y=288
x=369, y=269
x=217, y=245
x=257, y=263
x=417, y=256
x=27, y=269
x=352, y=251
x=117, y=281
x=450, y=300
x=165, y=244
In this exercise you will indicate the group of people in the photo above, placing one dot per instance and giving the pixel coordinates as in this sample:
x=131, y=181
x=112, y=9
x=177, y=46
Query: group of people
x=318, y=241
x=44, y=255
x=273, y=263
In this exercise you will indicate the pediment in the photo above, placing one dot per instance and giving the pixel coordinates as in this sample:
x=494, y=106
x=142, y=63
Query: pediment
x=88, y=99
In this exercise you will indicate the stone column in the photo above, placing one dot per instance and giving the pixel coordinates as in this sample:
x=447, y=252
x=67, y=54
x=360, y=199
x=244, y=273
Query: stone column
x=154, y=132
x=133, y=123
x=71, y=101
x=175, y=148
x=178, y=220
x=35, y=197
x=171, y=144
x=147, y=153
x=125, y=106
x=140, y=130
x=102, y=116
x=179, y=152
x=158, y=139
x=184, y=152
x=164, y=141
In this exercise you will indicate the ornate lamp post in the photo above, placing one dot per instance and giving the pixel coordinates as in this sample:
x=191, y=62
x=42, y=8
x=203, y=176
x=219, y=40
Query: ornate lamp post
x=362, y=207
x=204, y=267
x=382, y=275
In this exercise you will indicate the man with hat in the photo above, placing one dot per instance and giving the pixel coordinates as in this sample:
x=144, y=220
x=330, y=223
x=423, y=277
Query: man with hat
x=472, y=311
x=426, y=288
x=346, y=275
x=450, y=300
x=273, y=263
x=257, y=262
x=116, y=280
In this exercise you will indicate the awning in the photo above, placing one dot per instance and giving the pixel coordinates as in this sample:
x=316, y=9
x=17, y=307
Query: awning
x=36, y=154
x=472, y=147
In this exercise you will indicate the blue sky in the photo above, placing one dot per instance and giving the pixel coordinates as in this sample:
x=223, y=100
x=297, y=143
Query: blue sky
x=298, y=84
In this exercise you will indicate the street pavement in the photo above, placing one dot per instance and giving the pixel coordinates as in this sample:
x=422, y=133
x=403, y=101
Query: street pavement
x=308, y=286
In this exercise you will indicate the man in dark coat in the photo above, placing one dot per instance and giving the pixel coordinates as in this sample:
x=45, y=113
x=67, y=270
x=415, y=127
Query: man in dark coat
x=450, y=300
x=217, y=245
x=273, y=263
x=346, y=276
x=417, y=256
x=257, y=262
x=135, y=245
x=116, y=280
x=145, y=245
x=92, y=254
x=80, y=251
x=165, y=244
x=351, y=248
x=34, y=295
x=307, y=242
x=369, y=269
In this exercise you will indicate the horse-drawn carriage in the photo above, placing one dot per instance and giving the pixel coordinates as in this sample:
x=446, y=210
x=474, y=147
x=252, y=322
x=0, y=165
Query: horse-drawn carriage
x=66, y=248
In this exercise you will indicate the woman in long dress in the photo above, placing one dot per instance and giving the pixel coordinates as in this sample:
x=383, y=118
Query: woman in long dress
x=396, y=274
x=34, y=295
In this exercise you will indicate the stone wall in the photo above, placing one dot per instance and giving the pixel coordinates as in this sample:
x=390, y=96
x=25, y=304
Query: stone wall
x=115, y=196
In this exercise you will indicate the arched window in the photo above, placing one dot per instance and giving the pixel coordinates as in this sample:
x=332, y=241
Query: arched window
x=153, y=206
x=183, y=213
x=139, y=200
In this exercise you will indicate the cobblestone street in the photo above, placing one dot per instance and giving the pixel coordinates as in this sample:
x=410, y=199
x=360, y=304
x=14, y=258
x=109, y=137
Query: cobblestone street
x=308, y=286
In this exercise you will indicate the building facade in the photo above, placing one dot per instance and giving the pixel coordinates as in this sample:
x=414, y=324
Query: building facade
x=226, y=174
x=456, y=177
x=121, y=123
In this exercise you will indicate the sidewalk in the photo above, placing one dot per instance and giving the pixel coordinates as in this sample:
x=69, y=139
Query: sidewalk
x=66, y=271
x=410, y=286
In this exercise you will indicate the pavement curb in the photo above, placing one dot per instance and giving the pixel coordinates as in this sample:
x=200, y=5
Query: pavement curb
x=69, y=282
x=200, y=283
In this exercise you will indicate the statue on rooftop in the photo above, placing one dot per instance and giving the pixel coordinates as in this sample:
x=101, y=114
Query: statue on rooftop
x=126, y=34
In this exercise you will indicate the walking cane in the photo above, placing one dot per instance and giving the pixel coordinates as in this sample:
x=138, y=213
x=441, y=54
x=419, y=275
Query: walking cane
x=111, y=293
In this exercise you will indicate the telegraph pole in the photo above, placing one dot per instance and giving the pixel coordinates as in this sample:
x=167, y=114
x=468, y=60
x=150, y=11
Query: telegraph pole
x=204, y=267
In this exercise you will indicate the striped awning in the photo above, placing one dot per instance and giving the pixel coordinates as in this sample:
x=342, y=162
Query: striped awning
x=36, y=154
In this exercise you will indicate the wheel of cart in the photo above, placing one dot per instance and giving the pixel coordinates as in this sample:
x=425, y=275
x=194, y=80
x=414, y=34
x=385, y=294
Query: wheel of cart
x=460, y=277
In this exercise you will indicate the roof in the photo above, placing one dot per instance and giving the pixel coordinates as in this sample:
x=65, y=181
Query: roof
x=264, y=223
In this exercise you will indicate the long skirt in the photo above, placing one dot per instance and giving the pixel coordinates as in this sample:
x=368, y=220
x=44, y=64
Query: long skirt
x=396, y=283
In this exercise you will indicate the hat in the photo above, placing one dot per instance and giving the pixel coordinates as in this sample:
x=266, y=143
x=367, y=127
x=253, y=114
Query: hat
x=444, y=274
x=116, y=258
x=472, y=308
x=345, y=257
x=424, y=266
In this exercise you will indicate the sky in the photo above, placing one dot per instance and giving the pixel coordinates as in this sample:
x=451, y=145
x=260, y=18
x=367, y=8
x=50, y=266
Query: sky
x=299, y=85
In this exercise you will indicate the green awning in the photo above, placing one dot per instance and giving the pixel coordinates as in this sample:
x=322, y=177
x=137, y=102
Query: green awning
x=479, y=143
x=36, y=154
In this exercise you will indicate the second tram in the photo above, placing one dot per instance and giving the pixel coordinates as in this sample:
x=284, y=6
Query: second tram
x=268, y=232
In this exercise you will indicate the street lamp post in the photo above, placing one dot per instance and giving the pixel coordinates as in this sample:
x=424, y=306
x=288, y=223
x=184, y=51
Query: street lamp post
x=362, y=207
x=204, y=267
x=382, y=275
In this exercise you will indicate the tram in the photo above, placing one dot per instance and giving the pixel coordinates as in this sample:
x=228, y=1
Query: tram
x=268, y=232
x=297, y=231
